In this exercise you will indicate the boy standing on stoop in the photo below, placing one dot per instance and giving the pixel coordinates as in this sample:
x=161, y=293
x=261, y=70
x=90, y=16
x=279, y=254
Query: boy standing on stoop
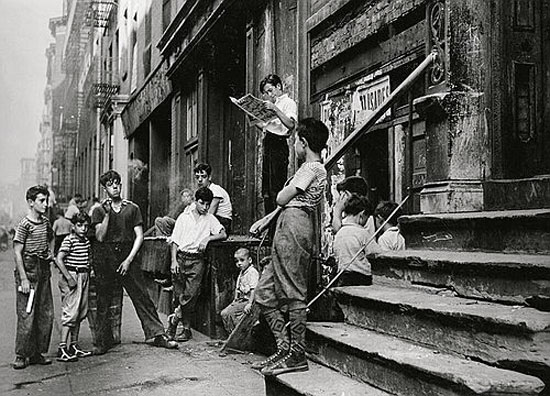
x=32, y=247
x=195, y=228
x=283, y=284
x=74, y=252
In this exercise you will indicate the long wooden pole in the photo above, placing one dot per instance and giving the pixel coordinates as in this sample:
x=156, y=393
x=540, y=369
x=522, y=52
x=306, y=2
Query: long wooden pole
x=374, y=116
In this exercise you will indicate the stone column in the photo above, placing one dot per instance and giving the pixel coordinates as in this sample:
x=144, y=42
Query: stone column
x=454, y=108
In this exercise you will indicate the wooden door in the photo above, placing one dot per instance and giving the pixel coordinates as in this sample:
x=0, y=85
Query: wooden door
x=526, y=126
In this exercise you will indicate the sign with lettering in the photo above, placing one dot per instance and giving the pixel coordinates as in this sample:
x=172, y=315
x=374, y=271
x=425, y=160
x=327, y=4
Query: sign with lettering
x=157, y=89
x=367, y=97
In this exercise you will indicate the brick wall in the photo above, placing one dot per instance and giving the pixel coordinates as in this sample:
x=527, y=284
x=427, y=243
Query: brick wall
x=357, y=25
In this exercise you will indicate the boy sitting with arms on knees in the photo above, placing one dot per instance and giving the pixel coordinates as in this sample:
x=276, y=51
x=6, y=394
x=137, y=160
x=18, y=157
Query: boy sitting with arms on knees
x=283, y=284
x=391, y=239
x=194, y=229
x=244, y=291
x=221, y=203
x=351, y=238
x=74, y=252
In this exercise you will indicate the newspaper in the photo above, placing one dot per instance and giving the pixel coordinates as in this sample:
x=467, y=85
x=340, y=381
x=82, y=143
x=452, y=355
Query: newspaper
x=254, y=107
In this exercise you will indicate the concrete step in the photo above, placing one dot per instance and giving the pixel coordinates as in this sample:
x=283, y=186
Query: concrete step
x=511, y=336
x=525, y=231
x=403, y=368
x=510, y=278
x=318, y=381
x=530, y=193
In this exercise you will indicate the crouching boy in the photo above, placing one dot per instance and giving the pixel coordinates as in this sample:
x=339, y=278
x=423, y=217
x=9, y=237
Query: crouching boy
x=244, y=291
x=195, y=228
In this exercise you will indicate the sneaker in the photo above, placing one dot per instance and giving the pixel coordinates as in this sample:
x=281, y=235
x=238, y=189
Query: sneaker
x=63, y=355
x=39, y=359
x=76, y=351
x=172, y=326
x=19, y=363
x=270, y=360
x=292, y=362
x=185, y=335
x=162, y=341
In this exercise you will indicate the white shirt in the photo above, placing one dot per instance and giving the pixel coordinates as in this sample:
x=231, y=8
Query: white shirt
x=246, y=282
x=191, y=228
x=391, y=239
x=225, y=209
x=289, y=108
x=348, y=241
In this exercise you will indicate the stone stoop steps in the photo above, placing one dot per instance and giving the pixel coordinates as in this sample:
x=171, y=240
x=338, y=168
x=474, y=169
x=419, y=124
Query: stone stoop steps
x=497, y=334
x=318, y=381
x=463, y=311
x=525, y=231
x=499, y=277
x=404, y=368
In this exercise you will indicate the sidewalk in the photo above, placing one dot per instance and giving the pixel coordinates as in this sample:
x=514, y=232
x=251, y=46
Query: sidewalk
x=139, y=369
x=132, y=368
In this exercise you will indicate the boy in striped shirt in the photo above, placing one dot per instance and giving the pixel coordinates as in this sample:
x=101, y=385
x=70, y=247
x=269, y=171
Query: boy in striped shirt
x=32, y=248
x=74, y=253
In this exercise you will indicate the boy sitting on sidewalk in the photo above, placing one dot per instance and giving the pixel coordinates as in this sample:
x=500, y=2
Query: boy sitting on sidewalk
x=244, y=291
x=193, y=230
x=75, y=254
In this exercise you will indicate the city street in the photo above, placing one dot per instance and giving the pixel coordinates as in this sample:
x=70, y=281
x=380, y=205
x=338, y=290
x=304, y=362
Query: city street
x=133, y=368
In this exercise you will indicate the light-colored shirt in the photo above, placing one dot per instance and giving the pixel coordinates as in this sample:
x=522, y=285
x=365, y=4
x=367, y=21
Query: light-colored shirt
x=347, y=242
x=289, y=108
x=71, y=211
x=225, y=209
x=392, y=239
x=310, y=179
x=191, y=228
x=62, y=226
x=246, y=282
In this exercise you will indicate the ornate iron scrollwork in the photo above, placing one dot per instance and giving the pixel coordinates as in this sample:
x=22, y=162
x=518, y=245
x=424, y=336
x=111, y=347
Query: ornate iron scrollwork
x=438, y=41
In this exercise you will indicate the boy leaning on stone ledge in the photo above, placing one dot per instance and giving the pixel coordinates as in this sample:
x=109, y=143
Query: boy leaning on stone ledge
x=195, y=228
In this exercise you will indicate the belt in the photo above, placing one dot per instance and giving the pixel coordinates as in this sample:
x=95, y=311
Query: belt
x=189, y=254
x=77, y=269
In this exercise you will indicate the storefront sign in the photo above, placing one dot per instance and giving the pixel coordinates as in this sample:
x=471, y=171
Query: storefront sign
x=141, y=105
x=368, y=97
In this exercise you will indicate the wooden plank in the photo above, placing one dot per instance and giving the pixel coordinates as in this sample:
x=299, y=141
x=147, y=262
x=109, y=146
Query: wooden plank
x=240, y=335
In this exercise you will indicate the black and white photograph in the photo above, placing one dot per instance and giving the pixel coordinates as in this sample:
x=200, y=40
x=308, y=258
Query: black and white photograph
x=275, y=197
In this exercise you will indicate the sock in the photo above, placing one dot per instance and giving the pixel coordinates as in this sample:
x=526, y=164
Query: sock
x=297, y=318
x=276, y=323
